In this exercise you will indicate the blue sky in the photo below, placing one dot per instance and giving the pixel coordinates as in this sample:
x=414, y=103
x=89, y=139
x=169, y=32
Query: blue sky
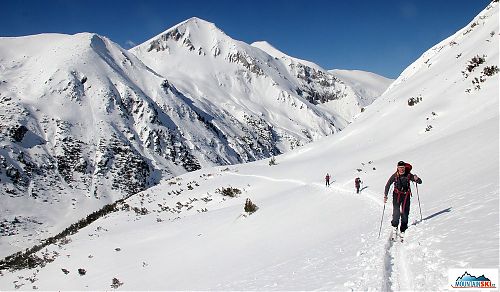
x=383, y=37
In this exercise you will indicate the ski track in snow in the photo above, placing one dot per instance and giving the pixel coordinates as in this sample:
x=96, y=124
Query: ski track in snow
x=397, y=275
x=412, y=264
x=396, y=266
x=387, y=267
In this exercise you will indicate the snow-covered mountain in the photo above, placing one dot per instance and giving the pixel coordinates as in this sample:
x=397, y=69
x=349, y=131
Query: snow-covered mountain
x=300, y=101
x=190, y=233
x=85, y=122
x=369, y=86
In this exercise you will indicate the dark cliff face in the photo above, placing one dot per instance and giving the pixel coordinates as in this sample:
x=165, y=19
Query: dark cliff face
x=330, y=88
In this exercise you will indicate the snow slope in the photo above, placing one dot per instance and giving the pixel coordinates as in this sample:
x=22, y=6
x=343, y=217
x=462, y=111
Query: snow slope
x=275, y=53
x=368, y=85
x=185, y=235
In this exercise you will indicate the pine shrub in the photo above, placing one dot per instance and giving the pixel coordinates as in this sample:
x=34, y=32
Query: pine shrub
x=414, y=100
x=490, y=70
x=115, y=283
x=250, y=207
x=229, y=192
x=475, y=62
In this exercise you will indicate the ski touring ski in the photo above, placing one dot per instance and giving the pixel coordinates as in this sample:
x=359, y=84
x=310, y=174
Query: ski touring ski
x=394, y=234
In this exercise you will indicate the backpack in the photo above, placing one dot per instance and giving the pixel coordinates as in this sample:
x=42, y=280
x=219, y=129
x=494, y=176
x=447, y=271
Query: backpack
x=408, y=168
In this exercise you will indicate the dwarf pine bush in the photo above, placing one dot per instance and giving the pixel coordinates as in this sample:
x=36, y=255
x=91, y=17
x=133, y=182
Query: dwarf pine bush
x=490, y=70
x=250, y=207
x=228, y=192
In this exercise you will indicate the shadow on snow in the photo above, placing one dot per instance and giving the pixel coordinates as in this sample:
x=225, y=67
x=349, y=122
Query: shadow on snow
x=434, y=215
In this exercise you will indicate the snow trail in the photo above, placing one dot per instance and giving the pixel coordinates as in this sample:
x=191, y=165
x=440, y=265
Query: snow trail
x=404, y=270
x=270, y=178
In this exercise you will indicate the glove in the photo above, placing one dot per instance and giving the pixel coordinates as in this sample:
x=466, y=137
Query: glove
x=385, y=199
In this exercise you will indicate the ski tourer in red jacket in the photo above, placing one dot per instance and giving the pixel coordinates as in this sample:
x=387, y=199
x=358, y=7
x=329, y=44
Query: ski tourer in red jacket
x=401, y=194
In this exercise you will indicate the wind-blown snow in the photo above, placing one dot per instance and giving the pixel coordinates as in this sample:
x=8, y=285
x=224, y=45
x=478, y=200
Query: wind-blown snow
x=306, y=236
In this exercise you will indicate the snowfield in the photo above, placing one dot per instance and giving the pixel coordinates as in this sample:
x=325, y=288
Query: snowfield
x=189, y=233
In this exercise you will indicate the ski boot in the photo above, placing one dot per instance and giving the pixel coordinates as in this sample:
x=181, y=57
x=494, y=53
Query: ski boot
x=401, y=236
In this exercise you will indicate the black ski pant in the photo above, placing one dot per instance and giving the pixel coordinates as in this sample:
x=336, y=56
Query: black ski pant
x=400, y=208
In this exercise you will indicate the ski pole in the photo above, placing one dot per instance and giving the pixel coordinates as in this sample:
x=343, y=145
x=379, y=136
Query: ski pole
x=418, y=197
x=380, y=230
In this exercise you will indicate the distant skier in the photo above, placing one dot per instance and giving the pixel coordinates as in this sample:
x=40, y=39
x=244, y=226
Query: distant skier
x=327, y=180
x=357, y=184
x=401, y=195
